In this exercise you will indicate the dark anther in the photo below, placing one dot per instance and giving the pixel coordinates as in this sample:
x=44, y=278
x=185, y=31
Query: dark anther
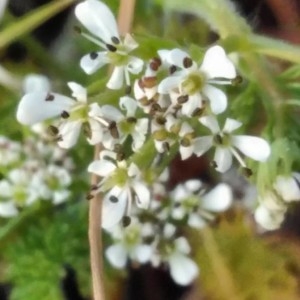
x=65, y=115
x=166, y=146
x=49, y=97
x=141, y=83
x=89, y=197
x=247, y=172
x=213, y=164
x=87, y=129
x=111, y=48
x=112, y=127
x=172, y=69
x=182, y=99
x=113, y=199
x=187, y=62
x=126, y=221
x=149, y=81
x=93, y=55
x=115, y=40
x=120, y=156
x=156, y=107
x=77, y=29
x=161, y=120
x=218, y=139
x=128, y=89
x=94, y=187
x=237, y=80
x=198, y=112
x=59, y=138
x=131, y=120
x=155, y=64
x=53, y=130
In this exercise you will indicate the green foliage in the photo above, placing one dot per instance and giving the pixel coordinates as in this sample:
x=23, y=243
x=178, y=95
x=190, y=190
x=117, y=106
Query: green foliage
x=36, y=259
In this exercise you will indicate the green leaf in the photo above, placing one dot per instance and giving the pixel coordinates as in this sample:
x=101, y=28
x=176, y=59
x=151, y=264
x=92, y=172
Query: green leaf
x=32, y=20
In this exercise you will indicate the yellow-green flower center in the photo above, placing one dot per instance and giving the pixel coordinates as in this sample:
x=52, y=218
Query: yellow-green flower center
x=193, y=83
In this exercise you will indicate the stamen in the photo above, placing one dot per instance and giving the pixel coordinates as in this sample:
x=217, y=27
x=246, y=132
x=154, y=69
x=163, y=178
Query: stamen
x=213, y=164
x=113, y=199
x=247, y=172
x=53, y=130
x=89, y=197
x=65, y=115
x=166, y=147
x=49, y=97
x=93, y=40
x=94, y=187
x=126, y=220
x=149, y=82
x=93, y=55
x=173, y=69
x=111, y=48
x=131, y=120
x=182, y=99
x=237, y=80
x=112, y=127
x=161, y=120
x=128, y=89
x=218, y=139
x=187, y=62
x=238, y=157
x=155, y=63
x=198, y=112
x=115, y=40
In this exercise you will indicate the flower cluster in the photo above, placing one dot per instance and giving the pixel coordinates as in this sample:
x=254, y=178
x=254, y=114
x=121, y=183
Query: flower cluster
x=31, y=172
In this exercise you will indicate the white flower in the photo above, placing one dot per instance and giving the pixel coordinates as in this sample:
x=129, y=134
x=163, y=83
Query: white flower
x=288, y=187
x=195, y=84
x=226, y=144
x=38, y=106
x=36, y=83
x=190, y=200
x=129, y=244
x=124, y=184
x=99, y=20
x=10, y=151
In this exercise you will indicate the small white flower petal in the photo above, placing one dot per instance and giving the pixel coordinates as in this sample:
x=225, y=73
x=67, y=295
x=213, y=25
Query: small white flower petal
x=36, y=83
x=133, y=170
x=216, y=64
x=90, y=63
x=78, y=91
x=169, y=83
x=113, y=212
x=128, y=104
x=253, y=147
x=202, y=144
x=182, y=245
x=217, y=98
x=196, y=221
x=6, y=189
x=130, y=43
x=34, y=108
x=98, y=19
x=96, y=132
x=102, y=168
x=143, y=253
x=186, y=152
x=117, y=255
x=69, y=132
x=193, y=185
x=218, y=199
x=223, y=159
x=135, y=65
x=287, y=188
x=231, y=125
x=268, y=219
x=183, y=270
x=116, y=79
x=178, y=213
x=8, y=209
x=142, y=193
x=211, y=123
x=111, y=113
x=176, y=57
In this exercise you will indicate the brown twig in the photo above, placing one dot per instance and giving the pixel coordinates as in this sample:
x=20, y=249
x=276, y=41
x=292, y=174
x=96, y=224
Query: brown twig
x=125, y=17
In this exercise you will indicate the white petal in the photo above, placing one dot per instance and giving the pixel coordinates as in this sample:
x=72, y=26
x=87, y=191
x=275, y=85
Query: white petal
x=176, y=57
x=223, y=159
x=36, y=83
x=6, y=189
x=253, y=147
x=96, y=132
x=139, y=92
x=69, y=132
x=169, y=83
x=194, y=102
x=178, y=213
x=111, y=113
x=128, y=104
x=112, y=213
x=217, y=99
x=116, y=79
x=169, y=230
x=287, y=188
x=268, y=219
x=185, y=128
x=216, y=64
x=143, y=253
x=196, y=221
x=133, y=170
x=102, y=168
x=218, y=199
x=135, y=65
x=142, y=193
x=98, y=19
x=60, y=196
x=202, y=144
x=8, y=209
x=130, y=43
x=33, y=107
x=116, y=255
x=231, y=125
x=186, y=152
x=211, y=123
x=182, y=245
x=183, y=270
x=193, y=185
x=78, y=91
x=91, y=65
